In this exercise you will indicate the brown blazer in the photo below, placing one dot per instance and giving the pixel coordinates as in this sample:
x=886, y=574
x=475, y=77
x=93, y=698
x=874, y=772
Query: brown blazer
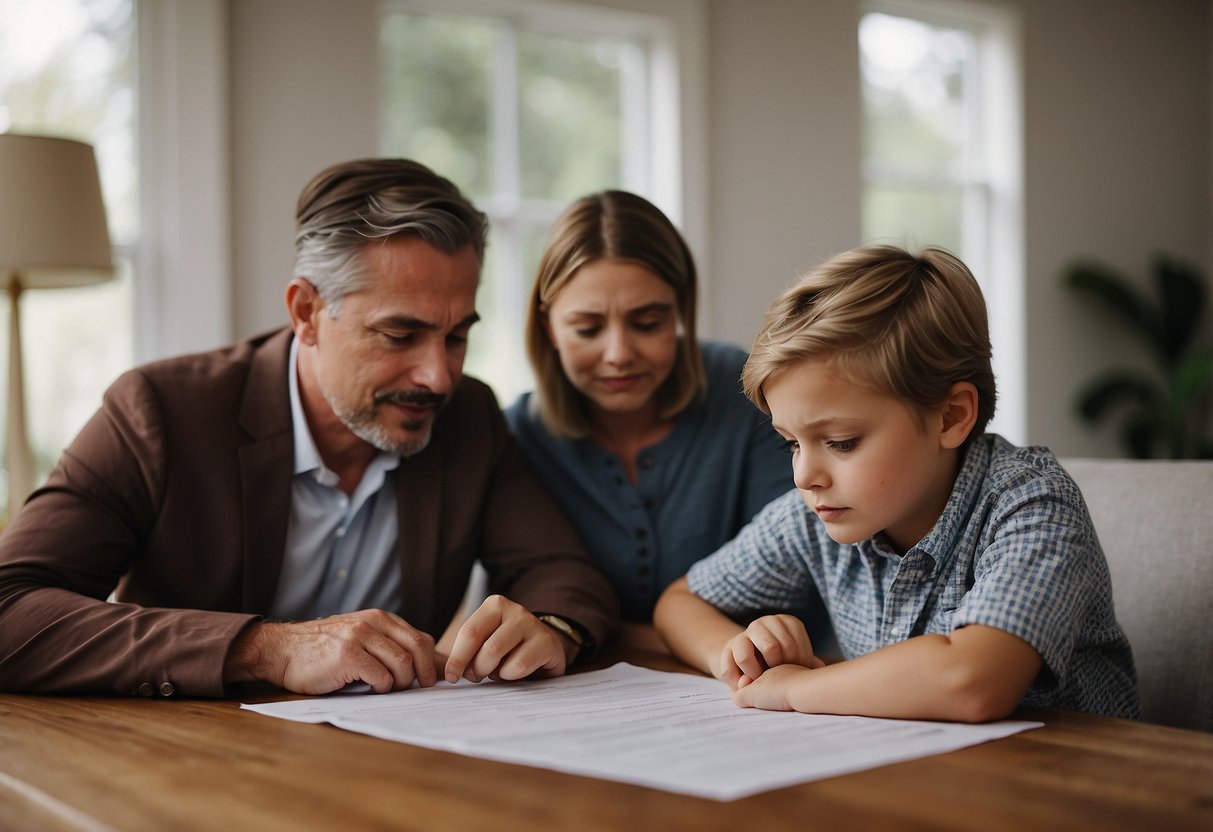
x=176, y=496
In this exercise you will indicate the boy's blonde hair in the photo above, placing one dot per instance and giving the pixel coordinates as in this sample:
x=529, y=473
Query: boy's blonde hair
x=903, y=325
x=611, y=225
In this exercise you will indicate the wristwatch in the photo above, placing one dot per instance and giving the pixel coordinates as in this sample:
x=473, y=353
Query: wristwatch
x=563, y=627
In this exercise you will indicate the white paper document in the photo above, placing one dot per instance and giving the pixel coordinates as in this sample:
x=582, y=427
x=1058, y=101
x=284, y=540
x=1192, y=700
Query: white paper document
x=671, y=731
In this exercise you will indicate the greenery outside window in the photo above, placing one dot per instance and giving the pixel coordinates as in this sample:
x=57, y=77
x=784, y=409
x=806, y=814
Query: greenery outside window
x=942, y=155
x=526, y=106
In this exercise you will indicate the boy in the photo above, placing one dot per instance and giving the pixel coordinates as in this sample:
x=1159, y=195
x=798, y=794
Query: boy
x=962, y=575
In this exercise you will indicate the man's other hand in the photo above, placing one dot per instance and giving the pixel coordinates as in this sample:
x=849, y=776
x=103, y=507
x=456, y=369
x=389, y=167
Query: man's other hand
x=503, y=640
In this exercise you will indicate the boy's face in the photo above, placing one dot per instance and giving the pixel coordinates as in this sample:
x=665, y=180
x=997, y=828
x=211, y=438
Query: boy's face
x=862, y=461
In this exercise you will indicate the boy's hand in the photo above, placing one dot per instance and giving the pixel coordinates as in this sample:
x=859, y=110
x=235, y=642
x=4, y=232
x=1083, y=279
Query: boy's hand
x=772, y=691
x=769, y=641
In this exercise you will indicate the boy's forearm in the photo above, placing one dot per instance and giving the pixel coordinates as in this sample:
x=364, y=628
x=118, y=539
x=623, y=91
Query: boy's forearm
x=977, y=677
x=693, y=629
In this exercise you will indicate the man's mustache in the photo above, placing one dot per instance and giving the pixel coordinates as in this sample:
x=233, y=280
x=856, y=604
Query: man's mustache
x=411, y=397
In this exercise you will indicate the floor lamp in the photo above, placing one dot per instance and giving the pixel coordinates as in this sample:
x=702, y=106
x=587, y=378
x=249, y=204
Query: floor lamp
x=52, y=235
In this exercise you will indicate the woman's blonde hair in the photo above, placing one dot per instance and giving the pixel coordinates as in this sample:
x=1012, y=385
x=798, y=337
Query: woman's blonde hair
x=611, y=225
x=903, y=325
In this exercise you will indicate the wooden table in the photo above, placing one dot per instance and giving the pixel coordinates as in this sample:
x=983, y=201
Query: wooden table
x=109, y=762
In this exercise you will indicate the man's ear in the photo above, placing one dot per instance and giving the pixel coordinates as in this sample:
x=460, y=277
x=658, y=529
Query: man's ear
x=304, y=305
x=959, y=414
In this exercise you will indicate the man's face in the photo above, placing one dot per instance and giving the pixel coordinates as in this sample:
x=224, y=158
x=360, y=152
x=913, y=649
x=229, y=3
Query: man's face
x=390, y=359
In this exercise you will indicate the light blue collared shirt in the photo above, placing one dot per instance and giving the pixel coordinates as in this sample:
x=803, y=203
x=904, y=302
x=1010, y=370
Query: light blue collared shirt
x=340, y=550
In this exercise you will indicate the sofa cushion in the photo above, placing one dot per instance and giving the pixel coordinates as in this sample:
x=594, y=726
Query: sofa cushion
x=1155, y=523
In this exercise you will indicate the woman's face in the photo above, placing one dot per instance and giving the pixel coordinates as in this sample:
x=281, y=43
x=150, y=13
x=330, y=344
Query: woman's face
x=615, y=328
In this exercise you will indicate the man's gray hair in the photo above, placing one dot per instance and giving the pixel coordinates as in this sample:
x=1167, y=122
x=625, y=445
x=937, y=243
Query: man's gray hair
x=347, y=205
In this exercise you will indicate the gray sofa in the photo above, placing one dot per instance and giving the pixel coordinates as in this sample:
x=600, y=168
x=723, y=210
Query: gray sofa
x=1155, y=523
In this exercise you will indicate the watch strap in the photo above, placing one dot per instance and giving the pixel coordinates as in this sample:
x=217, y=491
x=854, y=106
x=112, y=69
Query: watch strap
x=566, y=628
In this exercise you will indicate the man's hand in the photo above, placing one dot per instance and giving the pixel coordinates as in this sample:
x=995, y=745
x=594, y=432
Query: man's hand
x=768, y=642
x=503, y=640
x=325, y=654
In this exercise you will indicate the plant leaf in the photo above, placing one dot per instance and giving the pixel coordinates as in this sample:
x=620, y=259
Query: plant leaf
x=1193, y=377
x=1117, y=294
x=1183, y=294
x=1138, y=437
x=1116, y=388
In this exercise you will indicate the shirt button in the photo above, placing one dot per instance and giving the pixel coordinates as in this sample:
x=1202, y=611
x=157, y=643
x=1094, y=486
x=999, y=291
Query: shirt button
x=618, y=480
x=643, y=570
x=167, y=689
x=643, y=551
x=647, y=462
x=341, y=573
x=648, y=502
x=641, y=534
x=146, y=689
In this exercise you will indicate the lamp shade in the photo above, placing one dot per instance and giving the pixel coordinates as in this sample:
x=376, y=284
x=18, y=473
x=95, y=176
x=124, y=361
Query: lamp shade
x=53, y=232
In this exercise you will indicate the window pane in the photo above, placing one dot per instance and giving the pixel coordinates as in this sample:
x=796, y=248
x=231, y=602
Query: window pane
x=913, y=94
x=569, y=115
x=524, y=121
x=489, y=340
x=436, y=95
x=71, y=354
x=913, y=217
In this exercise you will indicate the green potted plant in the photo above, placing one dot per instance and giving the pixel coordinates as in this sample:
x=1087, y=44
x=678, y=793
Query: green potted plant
x=1163, y=413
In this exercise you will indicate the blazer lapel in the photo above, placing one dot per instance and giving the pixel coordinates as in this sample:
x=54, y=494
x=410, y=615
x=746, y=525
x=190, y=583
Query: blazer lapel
x=266, y=468
x=418, y=509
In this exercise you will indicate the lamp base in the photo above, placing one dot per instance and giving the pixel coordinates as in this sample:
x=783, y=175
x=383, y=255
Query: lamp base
x=20, y=459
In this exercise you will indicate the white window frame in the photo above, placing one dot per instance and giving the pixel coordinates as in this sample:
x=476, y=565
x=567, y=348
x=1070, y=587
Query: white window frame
x=182, y=271
x=992, y=183
x=657, y=101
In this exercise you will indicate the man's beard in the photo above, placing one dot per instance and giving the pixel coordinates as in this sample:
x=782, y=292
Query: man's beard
x=362, y=423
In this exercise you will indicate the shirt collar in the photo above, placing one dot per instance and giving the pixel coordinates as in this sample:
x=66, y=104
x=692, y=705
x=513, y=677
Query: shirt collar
x=307, y=458
x=945, y=535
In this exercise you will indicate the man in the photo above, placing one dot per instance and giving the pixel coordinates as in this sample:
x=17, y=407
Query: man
x=304, y=508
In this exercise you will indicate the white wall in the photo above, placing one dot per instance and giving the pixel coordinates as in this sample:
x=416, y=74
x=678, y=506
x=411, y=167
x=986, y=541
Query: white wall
x=1117, y=166
x=304, y=96
x=783, y=80
x=1118, y=112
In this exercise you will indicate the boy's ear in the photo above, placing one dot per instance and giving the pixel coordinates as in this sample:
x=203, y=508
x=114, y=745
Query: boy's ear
x=959, y=414
x=303, y=304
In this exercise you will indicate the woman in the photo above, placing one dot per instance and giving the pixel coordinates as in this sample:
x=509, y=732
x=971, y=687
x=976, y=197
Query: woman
x=638, y=430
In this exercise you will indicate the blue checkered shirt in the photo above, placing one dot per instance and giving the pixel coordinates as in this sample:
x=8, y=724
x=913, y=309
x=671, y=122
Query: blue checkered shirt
x=1014, y=549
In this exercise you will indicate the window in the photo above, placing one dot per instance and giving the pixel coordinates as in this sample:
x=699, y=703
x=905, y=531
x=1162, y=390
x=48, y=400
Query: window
x=67, y=69
x=942, y=157
x=526, y=106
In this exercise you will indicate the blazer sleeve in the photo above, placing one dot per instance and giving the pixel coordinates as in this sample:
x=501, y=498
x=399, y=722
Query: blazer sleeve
x=67, y=550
